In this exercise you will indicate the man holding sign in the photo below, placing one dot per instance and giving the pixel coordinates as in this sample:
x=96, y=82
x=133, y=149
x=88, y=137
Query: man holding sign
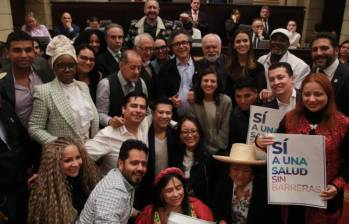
x=316, y=114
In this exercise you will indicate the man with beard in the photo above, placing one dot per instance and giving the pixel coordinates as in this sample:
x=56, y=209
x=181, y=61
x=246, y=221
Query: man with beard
x=279, y=43
x=325, y=60
x=106, y=144
x=151, y=23
x=112, y=198
x=211, y=47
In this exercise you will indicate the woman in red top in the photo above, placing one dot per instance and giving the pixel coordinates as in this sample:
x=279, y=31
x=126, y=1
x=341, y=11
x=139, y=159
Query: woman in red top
x=170, y=196
x=316, y=114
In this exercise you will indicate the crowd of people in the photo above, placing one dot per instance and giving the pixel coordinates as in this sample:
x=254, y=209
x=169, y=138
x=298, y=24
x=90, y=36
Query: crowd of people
x=109, y=126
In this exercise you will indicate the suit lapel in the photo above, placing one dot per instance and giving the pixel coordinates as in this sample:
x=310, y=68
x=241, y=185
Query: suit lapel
x=62, y=104
x=9, y=87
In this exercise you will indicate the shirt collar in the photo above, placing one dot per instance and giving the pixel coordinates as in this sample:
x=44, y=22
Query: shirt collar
x=113, y=52
x=293, y=96
x=189, y=63
x=123, y=81
x=127, y=184
x=282, y=59
x=330, y=70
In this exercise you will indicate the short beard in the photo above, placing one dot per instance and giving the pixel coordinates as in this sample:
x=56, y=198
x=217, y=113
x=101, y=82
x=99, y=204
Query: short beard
x=212, y=58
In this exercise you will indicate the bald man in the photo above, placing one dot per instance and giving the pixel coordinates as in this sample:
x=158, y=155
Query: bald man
x=67, y=28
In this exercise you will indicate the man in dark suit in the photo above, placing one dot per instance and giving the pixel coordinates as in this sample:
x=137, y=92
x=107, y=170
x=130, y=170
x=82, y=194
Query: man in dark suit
x=13, y=166
x=264, y=15
x=177, y=76
x=280, y=77
x=199, y=18
x=107, y=62
x=163, y=146
x=144, y=46
x=23, y=74
x=325, y=60
x=67, y=28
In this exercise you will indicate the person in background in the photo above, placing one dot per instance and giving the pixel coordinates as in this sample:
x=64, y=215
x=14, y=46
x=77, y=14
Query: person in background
x=240, y=195
x=316, y=114
x=258, y=34
x=65, y=179
x=67, y=28
x=94, y=23
x=94, y=38
x=37, y=50
x=245, y=94
x=86, y=70
x=199, y=18
x=188, y=26
x=108, y=59
x=232, y=24
x=242, y=63
x=34, y=28
x=265, y=17
x=112, y=199
x=293, y=35
x=212, y=109
x=343, y=54
x=62, y=107
x=171, y=196
x=161, y=53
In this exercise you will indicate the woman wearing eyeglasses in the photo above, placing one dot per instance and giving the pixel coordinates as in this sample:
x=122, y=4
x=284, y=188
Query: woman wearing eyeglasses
x=194, y=161
x=86, y=69
x=63, y=107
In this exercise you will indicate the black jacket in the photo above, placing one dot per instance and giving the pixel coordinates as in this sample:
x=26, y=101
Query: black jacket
x=340, y=83
x=106, y=63
x=259, y=210
x=14, y=154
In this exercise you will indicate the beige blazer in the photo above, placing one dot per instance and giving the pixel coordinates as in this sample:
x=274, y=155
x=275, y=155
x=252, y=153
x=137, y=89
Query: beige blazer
x=52, y=114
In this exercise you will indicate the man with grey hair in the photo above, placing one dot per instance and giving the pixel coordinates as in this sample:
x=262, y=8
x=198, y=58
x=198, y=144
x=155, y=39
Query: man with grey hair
x=107, y=62
x=151, y=23
x=211, y=47
x=112, y=89
x=144, y=46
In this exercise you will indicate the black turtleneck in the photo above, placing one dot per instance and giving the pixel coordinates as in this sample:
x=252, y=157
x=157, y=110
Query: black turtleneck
x=314, y=117
x=78, y=194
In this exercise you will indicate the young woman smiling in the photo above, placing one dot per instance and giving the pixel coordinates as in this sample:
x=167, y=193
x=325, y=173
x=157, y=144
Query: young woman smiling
x=212, y=109
x=242, y=62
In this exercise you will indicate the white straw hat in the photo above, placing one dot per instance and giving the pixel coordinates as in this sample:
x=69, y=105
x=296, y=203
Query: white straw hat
x=241, y=154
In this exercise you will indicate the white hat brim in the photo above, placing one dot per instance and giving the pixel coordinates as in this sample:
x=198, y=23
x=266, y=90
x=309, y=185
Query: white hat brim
x=227, y=159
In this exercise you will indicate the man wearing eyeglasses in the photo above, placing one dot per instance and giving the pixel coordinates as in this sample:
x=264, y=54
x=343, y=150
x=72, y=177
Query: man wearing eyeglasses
x=161, y=53
x=151, y=23
x=177, y=76
x=144, y=46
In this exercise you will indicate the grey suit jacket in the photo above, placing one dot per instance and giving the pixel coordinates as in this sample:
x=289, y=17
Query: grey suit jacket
x=52, y=114
x=215, y=137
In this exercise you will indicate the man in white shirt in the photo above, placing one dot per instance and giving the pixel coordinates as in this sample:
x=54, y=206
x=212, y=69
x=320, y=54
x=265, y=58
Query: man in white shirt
x=279, y=43
x=111, y=90
x=281, y=81
x=107, y=142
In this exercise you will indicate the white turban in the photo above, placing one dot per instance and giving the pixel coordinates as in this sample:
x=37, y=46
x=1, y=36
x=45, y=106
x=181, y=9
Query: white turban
x=58, y=46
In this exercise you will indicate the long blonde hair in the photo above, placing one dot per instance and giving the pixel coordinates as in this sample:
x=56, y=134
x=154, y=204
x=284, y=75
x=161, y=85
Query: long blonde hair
x=50, y=200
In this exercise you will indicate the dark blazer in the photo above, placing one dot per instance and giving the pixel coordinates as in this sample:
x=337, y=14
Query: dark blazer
x=170, y=80
x=150, y=82
x=220, y=67
x=14, y=154
x=42, y=69
x=238, y=126
x=340, y=83
x=106, y=63
x=274, y=103
x=258, y=210
x=144, y=193
x=64, y=31
x=202, y=21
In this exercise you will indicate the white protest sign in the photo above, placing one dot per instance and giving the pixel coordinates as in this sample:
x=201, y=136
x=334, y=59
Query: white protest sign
x=296, y=170
x=263, y=120
x=177, y=218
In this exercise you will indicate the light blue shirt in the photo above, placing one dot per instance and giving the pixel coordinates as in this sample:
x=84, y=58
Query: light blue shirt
x=186, y=72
